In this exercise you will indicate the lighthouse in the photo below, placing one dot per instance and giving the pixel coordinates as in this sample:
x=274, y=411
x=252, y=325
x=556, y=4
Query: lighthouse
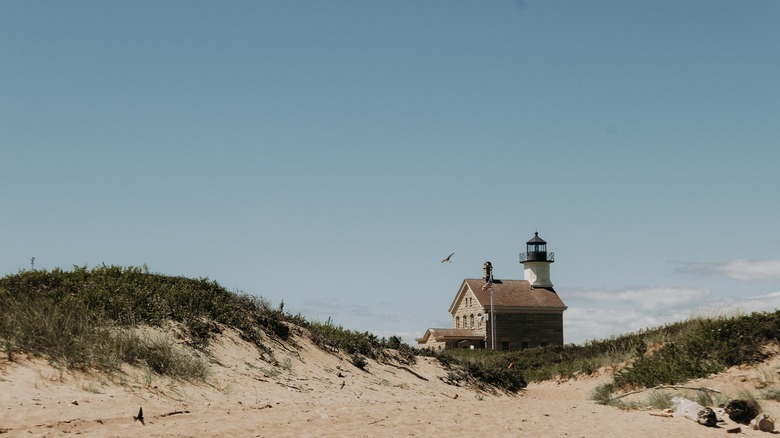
x=536, y=263
x=505, y=314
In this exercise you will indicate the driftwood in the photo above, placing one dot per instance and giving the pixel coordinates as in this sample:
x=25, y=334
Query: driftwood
x=289, y=386
x=406, y=369
x=174, y=413
x=667, y=387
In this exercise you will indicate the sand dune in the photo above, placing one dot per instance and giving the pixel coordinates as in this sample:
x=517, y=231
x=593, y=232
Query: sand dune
x=312, y=393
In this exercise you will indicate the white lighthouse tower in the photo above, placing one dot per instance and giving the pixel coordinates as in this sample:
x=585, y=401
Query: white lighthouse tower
x=536, y=263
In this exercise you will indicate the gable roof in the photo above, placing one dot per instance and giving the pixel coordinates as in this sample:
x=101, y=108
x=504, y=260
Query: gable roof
x=443, y=334
x=510, y=294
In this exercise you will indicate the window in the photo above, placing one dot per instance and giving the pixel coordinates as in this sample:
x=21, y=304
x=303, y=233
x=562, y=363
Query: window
x=504, y=346
x=457, y=322
x=479, y=320
x=471, y=321
x=524, y=345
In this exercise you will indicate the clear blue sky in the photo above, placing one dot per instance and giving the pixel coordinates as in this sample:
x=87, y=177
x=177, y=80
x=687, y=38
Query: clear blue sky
x=331, y=153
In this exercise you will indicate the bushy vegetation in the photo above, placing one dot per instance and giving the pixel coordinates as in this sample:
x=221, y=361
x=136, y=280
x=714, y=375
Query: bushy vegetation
x=483, y=367
x=668, y=355
x=358, y=345
x=512, y=370
x=337, y=338
x=691, y=349
x=358, y=360
x=130, y=296
x=702, y=347
x=89, y=318
x=82, y=317
x=160, y=354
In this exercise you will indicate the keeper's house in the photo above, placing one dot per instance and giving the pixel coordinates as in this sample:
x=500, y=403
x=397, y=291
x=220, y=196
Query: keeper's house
x=526, y=313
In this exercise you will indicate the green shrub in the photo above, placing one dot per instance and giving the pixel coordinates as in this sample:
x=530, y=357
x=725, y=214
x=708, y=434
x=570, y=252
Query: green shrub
x=602, y=394
x=330, y=336
x=394, y=342
x=502, y=377
x=706, y=346
x=164, y=358
x=483, y=366
x=70, y=317
x=704, y=398
x=160, y=354
x=65, y=333
x=660, y=400
x=131, y=296
x=670, y=354
x=359, y=360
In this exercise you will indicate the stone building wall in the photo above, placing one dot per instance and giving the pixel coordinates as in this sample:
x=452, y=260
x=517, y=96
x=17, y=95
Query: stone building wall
x=469, y=307
x=515, y=331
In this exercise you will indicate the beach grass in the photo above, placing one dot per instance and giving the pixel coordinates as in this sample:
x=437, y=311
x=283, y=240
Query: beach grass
x=91, y=318
x=85, y=318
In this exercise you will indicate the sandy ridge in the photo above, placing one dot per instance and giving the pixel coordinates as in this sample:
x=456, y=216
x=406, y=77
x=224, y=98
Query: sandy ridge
x=312, y=393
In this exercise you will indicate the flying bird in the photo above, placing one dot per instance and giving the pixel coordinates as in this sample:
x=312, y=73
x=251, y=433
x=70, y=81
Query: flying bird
x=448, y=259
x=140, y=416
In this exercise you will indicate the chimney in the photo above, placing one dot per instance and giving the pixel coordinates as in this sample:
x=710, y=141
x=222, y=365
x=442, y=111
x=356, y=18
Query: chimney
x=487, y=271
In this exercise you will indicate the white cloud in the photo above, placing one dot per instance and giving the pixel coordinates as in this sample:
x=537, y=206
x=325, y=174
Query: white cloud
x=741, y=270
x=645, y=298
x=593, y=322
x=581, y=324
x=599, y=314
x=730, y=305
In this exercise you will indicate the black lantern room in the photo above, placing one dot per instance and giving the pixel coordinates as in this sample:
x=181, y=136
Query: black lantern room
x=536, y=251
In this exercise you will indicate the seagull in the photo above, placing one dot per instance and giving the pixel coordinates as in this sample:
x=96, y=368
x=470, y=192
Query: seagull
x=448, y=259
x=140, y=416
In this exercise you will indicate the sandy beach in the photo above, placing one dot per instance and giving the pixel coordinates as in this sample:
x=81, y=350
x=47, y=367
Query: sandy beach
x=313, y=393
